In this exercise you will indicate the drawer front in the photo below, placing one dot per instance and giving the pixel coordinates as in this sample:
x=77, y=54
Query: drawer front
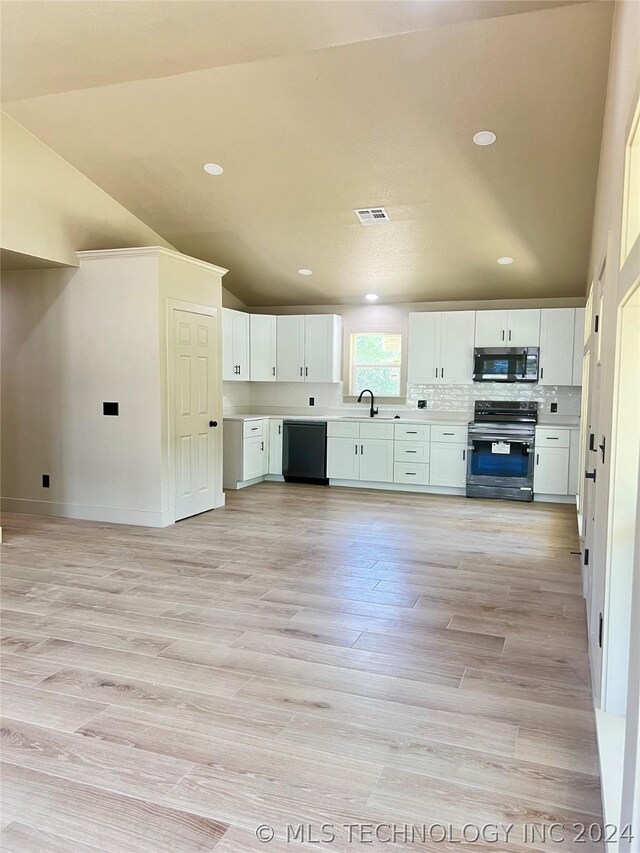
x=411, y=451
x=252, y=429
x=411, y=432
x=450, y=433
x=404, y=472
x=371, y=429
x=343, y=429
x=550, y=437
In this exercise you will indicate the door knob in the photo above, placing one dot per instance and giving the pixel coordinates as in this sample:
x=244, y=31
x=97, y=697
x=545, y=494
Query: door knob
x=213, y=423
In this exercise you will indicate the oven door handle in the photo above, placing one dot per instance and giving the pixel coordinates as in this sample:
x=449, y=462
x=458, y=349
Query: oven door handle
x=489, y=437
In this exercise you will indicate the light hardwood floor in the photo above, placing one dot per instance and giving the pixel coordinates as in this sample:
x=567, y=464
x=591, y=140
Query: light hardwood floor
x=303, y=656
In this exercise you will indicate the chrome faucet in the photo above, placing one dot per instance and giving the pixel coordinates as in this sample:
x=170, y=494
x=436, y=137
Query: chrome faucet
x=372, y=411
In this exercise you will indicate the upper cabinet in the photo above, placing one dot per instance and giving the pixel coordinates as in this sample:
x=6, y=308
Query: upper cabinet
x=263, y=347
x=440, y=348
x=309, y=348
x=556, y=346
x=235, y=345
x=516, y=328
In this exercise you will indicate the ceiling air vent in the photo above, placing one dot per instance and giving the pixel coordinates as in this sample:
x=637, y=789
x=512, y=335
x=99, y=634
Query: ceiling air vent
x=370, y=215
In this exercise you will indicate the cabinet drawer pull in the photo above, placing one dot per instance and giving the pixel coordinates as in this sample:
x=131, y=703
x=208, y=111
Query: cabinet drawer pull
x=411, y=451
x=448, y=433
x=254, y=429
x=552, y=437
x=410, y=473
x=412, y=432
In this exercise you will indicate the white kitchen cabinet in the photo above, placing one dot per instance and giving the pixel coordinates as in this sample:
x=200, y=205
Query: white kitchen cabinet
x=578, y=346
x=245, y=451
x=275, y=446
x=440, y=348
x=254, y=458
x=263, y=347
x=551, y=471
x=290, y=348
x=343, y=459
x=235, y=345
x=456, y=347
x=448, y=464
x=309, y=348
x=556, y=346
x=376, y=460
x=519, y=327
x=423, y=351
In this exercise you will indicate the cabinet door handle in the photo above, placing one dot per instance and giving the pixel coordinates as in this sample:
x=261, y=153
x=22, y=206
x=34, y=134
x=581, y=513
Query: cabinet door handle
x=362, y=450
x=306, y=371
x=356, y=449
x=442, y=373
x=503, y=334
x=274, y=370
x=537, y=458
x=542, y=373
x=279, y=429
x=436, y=372
x=464, y=455
x=300, y=371
x=262, y=445
x=509, y=334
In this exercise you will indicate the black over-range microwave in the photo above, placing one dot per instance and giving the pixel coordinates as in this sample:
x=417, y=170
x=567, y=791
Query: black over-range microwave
x=506, y=364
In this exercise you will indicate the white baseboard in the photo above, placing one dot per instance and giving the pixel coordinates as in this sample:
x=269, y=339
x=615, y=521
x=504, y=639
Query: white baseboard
x=555, y=499
x=142, y=518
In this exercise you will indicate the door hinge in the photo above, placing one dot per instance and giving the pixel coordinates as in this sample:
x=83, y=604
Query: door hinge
x=596, y=324
x=586, y=556
x=600, y=627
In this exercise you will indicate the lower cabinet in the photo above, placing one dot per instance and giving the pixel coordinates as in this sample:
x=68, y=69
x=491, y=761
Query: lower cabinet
x=551, y=471
x=255, y=458
x=275, y=446
x=448, y=466
x=405, y=472
x=369, y=459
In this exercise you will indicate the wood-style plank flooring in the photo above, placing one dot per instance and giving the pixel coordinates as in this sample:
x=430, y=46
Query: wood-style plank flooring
x=303, y=656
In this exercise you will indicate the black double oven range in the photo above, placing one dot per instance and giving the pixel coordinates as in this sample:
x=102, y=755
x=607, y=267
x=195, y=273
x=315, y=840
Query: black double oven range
x=501, y=454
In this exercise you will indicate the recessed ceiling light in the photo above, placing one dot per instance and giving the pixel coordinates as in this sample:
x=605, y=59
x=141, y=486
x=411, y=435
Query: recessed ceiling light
x=484, y=137
x=305, y=271
x=213, y=169
x=371, y=297
x=505, y=261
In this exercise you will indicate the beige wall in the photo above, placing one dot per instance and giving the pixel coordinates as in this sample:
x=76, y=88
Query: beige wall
x=50, y=210
x=72, y=339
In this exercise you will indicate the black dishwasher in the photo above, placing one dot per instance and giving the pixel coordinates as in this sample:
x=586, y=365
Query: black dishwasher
x=304, y=452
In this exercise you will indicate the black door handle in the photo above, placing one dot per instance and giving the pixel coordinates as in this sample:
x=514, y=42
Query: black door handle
x=590, y=475
x=213, y=423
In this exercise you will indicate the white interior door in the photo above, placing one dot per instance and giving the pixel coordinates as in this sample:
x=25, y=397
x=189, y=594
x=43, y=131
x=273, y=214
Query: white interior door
x=194, y=383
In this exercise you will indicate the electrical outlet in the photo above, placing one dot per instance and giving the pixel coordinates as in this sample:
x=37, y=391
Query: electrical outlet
x=45, y=481
x=422, y=404
x=554, y=407
x=312, y=401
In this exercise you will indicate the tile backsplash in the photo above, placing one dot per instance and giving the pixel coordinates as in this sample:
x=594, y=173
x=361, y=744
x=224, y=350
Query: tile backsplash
x=293, y=397
x=460, y=398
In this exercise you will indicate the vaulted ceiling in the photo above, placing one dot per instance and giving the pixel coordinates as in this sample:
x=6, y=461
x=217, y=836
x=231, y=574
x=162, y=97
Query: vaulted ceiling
x=317, y=108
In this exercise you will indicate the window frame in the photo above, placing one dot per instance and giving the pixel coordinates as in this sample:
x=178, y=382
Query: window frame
x=362, y=329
